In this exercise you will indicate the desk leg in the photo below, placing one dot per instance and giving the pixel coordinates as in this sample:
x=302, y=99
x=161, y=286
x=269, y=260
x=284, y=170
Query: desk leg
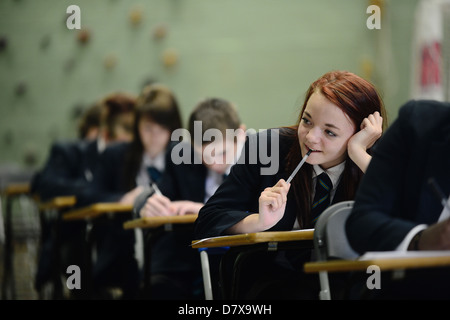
x=206, y=274
x=324, y=286
x=8, y=275
x=88, y=277
x=56, y=260
x=147, y=263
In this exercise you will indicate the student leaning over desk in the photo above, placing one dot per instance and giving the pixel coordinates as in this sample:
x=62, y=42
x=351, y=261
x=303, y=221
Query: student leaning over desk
x=125, y=170
x=340, y=120
x=184, y=187
x=396, y=208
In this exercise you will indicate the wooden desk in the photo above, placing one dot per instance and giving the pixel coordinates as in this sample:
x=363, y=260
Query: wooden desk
x=96, y=210
x=244, y=245
x=10, y=192
x=411, y=261
x=154, y=222
x=254, y=238
x=15, y=189
x=57, y=203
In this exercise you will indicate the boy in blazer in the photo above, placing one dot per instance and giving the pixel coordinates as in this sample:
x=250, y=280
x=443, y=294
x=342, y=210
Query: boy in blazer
x=396, y=207
x=185, y=187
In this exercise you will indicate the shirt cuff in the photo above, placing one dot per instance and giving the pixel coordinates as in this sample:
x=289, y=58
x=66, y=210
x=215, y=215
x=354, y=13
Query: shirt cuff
x=403, y=246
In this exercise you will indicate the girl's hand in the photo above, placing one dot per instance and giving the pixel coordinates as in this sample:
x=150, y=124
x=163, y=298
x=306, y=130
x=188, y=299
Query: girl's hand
x=272, y=203
x=371, y=131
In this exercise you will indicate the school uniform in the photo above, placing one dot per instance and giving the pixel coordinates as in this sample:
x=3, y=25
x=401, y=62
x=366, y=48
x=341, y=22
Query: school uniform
x=394, y=201
x=116, y=262
x=70, y=168
x=175, y=266
x=238, y=197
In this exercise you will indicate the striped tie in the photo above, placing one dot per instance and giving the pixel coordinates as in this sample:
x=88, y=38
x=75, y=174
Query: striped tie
x=322, y=197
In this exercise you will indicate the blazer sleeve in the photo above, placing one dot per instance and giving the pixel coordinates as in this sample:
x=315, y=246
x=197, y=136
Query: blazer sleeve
x=376, y=222
x=236, y=198
x=60, y=175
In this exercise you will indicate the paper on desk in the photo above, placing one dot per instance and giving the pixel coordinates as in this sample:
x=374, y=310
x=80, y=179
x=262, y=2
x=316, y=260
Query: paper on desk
x=403, y=254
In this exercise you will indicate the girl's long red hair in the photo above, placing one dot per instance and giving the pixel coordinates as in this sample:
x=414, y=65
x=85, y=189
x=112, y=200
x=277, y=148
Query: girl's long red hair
x=357, y=98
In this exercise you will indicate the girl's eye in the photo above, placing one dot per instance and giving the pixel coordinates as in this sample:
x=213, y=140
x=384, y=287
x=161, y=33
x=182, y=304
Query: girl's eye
x=306, y=121
x=330, y=133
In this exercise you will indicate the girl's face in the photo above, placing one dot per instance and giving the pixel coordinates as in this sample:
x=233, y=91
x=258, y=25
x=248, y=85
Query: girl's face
x=325, y=129
x=154, y=137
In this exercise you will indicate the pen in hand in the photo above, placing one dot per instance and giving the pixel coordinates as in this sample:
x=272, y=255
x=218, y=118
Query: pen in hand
x=156, y=189
x=298, y=166
x=438, y=192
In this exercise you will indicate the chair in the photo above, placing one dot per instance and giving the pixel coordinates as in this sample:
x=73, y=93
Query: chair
x=330, y=240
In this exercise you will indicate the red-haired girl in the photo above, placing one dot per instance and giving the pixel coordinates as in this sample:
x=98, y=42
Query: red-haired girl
x=341, y=119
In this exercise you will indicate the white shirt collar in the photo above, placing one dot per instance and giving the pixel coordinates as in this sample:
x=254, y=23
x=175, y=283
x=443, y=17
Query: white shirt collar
x=334, y=172
x=101, y=144
x=157, y=162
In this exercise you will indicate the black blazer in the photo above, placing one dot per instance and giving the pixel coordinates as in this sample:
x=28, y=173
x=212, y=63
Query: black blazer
x=238, y=196
x=183, y=181
x=109, y=183
x=394, y=196
x=70, y=168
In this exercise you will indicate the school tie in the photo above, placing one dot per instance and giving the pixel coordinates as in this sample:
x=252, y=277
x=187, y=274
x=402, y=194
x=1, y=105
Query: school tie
x=322, y=197
x=154, y=174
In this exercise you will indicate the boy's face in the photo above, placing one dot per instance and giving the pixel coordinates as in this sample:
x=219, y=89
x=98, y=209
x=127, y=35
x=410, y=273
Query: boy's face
x=218, y=155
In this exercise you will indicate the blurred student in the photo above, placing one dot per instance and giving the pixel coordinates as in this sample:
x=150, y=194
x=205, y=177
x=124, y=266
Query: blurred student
x=341, y=118
x=396, y=207
x=89, y=124
x=70, y=169
x=193, y=173
x=125, y=169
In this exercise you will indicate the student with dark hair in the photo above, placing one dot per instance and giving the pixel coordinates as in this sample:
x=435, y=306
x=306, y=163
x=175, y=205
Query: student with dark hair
x=89, y=124
x=125, y=170
x=193, y=173
x=341, y=118
x=70, y=169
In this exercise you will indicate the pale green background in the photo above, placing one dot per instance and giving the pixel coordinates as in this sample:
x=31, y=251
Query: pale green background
x=260, y=54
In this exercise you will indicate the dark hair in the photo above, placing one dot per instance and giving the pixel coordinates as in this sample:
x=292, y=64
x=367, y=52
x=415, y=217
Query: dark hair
x=90, y=119
x=357, y=98
x=113, y=106
x=159, y=104
x=214, y=113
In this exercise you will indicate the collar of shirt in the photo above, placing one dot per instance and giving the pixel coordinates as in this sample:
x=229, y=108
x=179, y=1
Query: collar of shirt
x=157, y=162
x=101, y=144
x=334, y=172
x=142, y=178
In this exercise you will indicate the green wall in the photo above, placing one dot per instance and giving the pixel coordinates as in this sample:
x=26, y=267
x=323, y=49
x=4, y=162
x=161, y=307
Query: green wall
x=260, y=54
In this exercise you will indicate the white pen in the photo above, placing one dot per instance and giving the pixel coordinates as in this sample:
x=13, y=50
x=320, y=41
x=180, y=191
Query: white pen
x=155, y=187
x=298, y=166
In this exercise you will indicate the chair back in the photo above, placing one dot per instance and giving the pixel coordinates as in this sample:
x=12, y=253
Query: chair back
x=330, y=239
